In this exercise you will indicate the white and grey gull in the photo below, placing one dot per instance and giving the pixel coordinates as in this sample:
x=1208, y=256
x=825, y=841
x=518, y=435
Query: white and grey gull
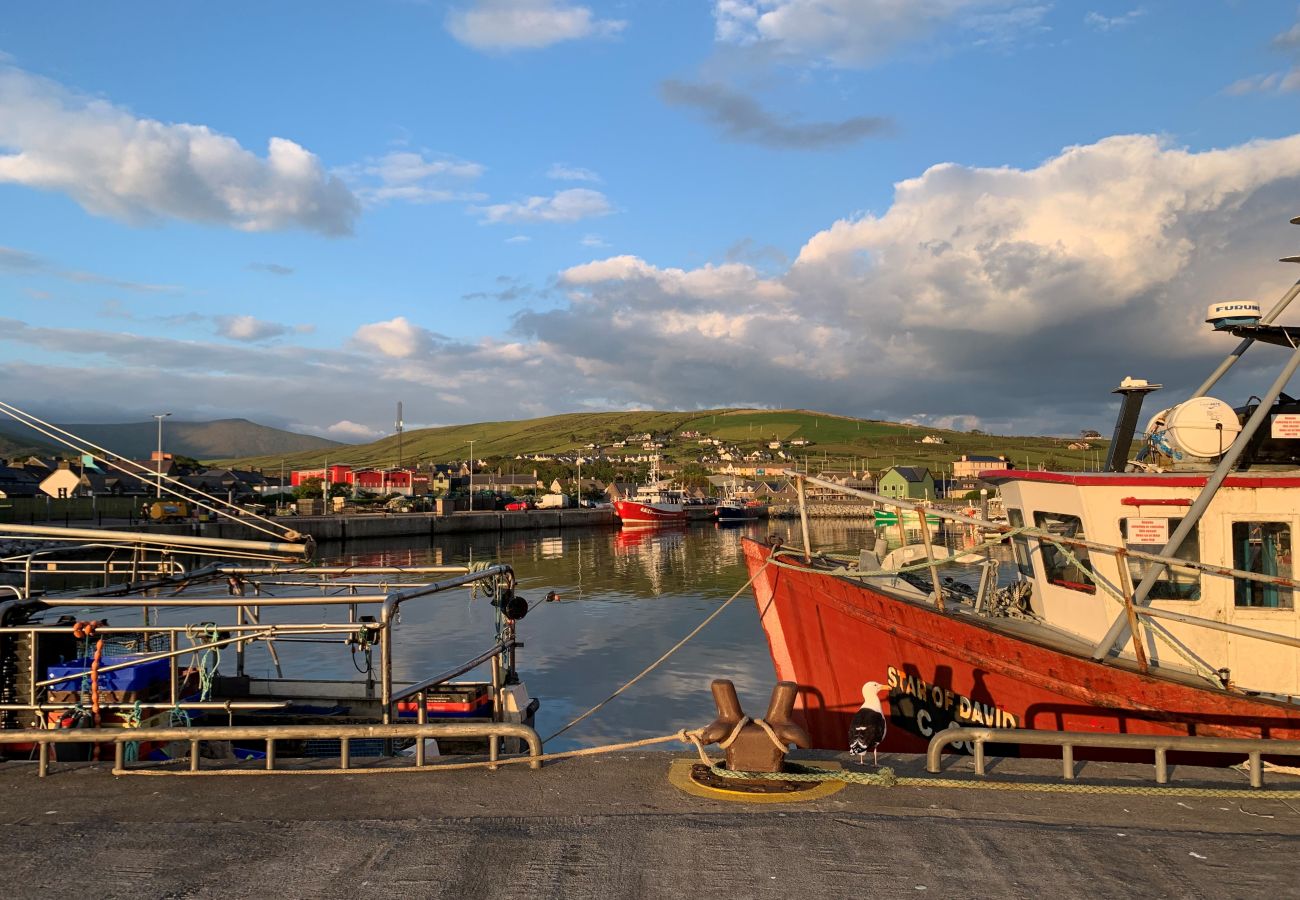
x=867, y=729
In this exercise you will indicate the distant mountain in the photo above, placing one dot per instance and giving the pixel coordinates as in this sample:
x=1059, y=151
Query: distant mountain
x=220, y=439
x=14, y=445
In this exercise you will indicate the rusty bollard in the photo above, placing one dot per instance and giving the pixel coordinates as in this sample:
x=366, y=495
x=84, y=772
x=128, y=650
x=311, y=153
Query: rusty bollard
x=751, y=749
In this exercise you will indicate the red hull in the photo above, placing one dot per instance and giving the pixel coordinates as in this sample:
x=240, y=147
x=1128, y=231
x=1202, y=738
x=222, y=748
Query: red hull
x=631, y=512
x=830, y=636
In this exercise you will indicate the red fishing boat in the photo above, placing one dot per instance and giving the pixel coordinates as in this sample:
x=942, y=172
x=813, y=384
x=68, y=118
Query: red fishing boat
x=655, y=503
x=1155, y=597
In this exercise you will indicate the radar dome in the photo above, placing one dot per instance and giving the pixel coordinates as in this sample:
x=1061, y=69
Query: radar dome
x=1233, y=312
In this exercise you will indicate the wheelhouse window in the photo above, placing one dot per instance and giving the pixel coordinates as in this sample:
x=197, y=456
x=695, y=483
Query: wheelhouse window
x=1265, y=548
x=1020, y=543
x=1060, y=569
x=1150, y=536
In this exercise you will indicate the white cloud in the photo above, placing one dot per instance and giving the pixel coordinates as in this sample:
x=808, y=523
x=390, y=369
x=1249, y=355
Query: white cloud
x=1283, y=82
x=1015, y=295
x=412, y=177
x=525, y=24
x=857, y=33
x=570, y=205
x=593, y=240
x=561, y=172
x=518, y=239
x=116, y=164
x=1111, y=23
x=1272, y=83
x=249, y=328
x=21, y=262
x=398, y=337
x=352, y=431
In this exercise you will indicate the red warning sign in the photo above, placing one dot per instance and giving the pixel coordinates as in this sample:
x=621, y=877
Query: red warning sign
x=1286, y=425
x=1148, y=531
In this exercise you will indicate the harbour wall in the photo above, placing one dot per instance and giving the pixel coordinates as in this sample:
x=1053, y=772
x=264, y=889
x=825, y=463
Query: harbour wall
x=838, y=510
x=368, y=527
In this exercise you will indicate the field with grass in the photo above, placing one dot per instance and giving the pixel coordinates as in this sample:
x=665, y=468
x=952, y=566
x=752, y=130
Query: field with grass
x=837, y=441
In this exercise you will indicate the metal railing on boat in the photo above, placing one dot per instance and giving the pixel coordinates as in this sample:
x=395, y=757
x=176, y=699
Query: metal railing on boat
x=1161, y=745
x=249, y=628
x=269, y=734
x=1125, y=592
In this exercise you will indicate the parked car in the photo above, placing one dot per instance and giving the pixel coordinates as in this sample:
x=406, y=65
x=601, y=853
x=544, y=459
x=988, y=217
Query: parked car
x=517, y=505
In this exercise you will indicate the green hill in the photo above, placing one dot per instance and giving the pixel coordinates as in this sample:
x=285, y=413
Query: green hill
x=836, y=440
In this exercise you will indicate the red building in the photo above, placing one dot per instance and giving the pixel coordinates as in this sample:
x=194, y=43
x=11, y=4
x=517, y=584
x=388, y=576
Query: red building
x=331, y=474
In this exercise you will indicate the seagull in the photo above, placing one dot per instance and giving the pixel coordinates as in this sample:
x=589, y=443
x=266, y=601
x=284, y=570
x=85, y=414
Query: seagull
x=867, y=729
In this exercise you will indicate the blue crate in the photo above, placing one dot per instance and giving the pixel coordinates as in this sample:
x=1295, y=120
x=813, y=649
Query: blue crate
x=136, y=678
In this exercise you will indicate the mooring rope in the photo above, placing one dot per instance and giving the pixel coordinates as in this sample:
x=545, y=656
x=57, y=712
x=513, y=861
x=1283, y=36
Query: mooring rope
x=671, y=650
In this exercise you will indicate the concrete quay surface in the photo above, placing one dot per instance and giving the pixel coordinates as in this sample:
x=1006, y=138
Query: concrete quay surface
x=614, y=827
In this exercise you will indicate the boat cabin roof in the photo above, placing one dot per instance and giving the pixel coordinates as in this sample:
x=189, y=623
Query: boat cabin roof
x=1143, y=479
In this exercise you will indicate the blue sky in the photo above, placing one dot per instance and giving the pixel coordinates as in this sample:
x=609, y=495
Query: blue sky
x=305, y=212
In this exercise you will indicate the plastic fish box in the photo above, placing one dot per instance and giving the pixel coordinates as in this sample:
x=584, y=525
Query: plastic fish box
x=137, y=678
x=451, y=701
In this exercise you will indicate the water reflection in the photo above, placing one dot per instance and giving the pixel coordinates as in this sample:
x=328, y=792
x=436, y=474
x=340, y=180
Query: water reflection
x=626, y=597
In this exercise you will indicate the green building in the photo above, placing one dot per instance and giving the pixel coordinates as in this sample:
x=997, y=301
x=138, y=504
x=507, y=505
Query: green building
x=906, y=483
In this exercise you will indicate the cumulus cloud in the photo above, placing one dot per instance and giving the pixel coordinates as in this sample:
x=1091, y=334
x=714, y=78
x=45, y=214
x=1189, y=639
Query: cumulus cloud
x=503, y=25
x=859, y=33
x=741, y=118
x=1017, y=296
x=561, y=172
x=348, y=431
x=414, y=177
x=248, y=328
x=114, y=163
x=397, y=337
x=1073, y=270
x=570, y=205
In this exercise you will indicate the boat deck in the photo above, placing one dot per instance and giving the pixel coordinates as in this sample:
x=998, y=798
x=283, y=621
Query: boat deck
x=611, y=827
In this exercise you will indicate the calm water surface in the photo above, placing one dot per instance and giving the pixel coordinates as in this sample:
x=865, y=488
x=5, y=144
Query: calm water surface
x=627, y=597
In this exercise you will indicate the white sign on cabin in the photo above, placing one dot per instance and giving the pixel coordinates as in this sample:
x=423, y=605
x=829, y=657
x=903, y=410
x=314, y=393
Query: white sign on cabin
x=61, y=483
x=1286, y=425
x=1147, y=531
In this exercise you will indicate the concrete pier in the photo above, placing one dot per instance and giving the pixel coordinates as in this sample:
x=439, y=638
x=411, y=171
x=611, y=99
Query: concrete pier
x=613, y=827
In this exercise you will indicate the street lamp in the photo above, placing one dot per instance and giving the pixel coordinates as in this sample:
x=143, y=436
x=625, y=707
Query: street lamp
x=160, y=417
x=471, y=476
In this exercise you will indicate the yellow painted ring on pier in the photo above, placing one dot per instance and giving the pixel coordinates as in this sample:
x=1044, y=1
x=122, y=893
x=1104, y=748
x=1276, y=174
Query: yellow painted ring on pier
x=679, y=776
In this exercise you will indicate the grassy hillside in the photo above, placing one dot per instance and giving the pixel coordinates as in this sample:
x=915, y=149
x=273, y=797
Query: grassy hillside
x=837, y=440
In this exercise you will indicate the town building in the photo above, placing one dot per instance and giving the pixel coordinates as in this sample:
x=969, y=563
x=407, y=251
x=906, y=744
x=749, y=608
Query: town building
x=907, y=483
x=972, y=465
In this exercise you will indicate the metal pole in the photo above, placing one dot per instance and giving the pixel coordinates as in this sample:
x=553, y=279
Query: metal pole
x=471, y=476
x=1118, y=630
x=803, y=522
x=159, y=461
x=929, y=555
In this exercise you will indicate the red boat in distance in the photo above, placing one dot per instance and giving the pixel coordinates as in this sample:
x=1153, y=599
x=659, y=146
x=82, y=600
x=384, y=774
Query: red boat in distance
x=656, y=503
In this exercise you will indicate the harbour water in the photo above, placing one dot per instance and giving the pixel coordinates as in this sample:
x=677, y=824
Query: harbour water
x=627, y=596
